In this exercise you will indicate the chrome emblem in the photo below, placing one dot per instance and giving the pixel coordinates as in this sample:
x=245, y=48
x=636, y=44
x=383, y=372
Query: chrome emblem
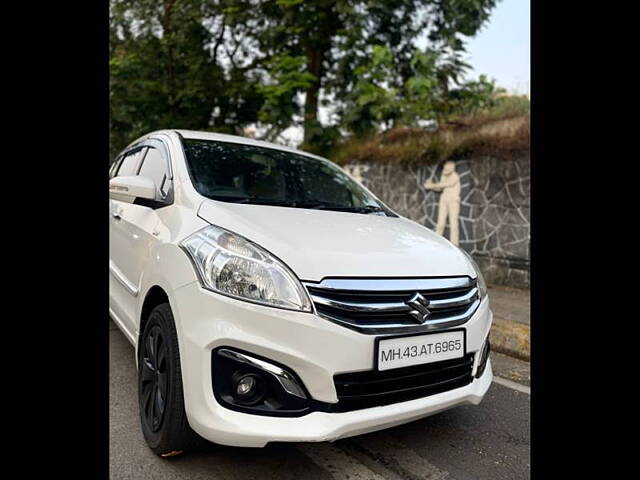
x=419, y=304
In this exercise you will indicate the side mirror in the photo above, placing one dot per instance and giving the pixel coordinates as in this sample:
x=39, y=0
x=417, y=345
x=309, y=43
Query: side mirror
x=127, y=189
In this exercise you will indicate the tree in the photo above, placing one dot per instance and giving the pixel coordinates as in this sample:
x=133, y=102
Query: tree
x=333, y=39
x=227, y=64
x=166, y=71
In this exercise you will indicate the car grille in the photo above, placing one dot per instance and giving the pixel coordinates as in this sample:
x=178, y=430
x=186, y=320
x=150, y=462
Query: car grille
x=380, y=306
x=373, y=388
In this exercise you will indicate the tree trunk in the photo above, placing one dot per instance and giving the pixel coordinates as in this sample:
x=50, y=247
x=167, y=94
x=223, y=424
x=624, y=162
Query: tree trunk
x=167, y=28
x=314, y=66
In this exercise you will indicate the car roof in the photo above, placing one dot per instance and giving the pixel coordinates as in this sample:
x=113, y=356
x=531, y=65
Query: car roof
x=221, y=137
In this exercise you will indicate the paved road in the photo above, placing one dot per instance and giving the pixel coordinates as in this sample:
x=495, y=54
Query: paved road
x=489, y=441
x=510, y=303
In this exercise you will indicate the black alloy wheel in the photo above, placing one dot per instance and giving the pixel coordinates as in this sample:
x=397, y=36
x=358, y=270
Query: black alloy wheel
x=163, y=417
x=154, y=378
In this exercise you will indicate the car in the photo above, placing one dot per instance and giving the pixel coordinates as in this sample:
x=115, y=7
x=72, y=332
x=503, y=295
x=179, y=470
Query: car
x=270, y=297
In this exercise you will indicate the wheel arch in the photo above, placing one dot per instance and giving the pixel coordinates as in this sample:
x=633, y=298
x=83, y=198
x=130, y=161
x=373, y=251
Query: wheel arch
x=154, y=297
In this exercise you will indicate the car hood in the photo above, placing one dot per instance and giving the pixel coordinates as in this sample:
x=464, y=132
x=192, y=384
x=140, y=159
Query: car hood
x=320, y=243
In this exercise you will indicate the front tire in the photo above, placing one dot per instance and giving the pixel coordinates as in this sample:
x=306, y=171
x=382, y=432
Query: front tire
x=160, y=395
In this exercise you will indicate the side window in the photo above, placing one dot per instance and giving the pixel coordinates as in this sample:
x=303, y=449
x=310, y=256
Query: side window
x=154, y=167
x=130, y=163
x=114, y=167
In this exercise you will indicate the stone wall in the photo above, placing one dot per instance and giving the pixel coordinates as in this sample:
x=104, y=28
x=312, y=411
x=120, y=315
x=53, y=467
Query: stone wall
x=494, y=210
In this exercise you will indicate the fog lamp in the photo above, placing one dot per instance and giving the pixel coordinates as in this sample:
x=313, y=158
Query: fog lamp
x=245, y=385
x=248, y=388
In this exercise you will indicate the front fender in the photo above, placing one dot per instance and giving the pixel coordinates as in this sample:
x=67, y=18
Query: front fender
x=169, y=268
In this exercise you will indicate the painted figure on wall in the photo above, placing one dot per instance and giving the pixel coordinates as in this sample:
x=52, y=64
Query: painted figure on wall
x=356, y=171
x=449, y=205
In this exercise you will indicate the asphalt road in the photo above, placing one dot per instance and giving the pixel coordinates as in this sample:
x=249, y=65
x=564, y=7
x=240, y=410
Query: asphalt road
x=488, y=441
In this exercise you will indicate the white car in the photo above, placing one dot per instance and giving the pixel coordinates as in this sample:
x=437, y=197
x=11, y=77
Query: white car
x=273, y=298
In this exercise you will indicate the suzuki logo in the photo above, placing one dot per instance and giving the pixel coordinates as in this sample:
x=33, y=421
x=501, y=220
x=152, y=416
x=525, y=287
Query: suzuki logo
x=419, y=304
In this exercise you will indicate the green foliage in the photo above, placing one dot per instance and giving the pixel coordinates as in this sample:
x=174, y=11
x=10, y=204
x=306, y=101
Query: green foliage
x=505, y=106
x=320, y=140
x=473, y=96
x=163, y=76
x=425, y=95
x=288, y=77
x=372, y=102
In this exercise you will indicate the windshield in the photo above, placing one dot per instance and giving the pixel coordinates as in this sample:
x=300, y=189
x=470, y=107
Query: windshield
x=231, y=172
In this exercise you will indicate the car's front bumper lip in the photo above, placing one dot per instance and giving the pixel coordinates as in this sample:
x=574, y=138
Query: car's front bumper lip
x=240, y=429
x=313, y=348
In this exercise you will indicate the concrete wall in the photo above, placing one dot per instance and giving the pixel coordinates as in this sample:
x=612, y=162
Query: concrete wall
x=494, y=211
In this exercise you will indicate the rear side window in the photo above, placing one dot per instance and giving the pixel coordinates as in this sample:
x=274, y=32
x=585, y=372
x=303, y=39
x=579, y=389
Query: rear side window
x=130, y=163
x=154, y=167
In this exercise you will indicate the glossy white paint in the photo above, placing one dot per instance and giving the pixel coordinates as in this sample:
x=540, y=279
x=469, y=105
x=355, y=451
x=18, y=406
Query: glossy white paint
x=321, y=243
x=131, y=187
x=144, y=254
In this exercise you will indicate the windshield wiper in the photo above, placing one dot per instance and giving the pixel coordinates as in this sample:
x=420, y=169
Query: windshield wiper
x=252, y=200
x=298, y=204
x=364, y=209
x=343, y=208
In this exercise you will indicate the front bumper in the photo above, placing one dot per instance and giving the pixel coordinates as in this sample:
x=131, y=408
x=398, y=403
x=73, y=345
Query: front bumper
x=315, y=349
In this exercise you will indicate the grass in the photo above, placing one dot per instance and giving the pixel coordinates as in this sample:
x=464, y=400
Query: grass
x=501, y=131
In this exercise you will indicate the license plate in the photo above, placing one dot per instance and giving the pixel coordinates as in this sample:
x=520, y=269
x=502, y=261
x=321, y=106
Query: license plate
x=405, y=351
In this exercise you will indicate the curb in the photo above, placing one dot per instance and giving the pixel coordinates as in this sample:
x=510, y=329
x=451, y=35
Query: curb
x=511, y=338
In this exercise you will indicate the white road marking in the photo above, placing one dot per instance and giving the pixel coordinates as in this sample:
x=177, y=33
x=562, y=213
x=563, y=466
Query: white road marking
x=511, y=384
x=339, y=464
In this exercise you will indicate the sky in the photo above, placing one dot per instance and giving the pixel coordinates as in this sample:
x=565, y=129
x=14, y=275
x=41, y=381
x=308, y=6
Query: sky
x=501, y=48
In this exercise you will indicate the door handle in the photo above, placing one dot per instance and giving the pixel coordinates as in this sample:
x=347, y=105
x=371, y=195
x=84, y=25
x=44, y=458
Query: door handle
x=116, y=215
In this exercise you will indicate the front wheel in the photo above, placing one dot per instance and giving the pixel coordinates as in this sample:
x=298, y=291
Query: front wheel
x=160, y=395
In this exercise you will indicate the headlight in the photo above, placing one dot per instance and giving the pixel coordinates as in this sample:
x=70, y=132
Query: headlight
x=482, y=286
x=234, y=266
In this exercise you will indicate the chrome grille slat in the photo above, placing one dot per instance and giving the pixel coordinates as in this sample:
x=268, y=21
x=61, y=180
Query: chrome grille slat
x=379, y=306
x=437, y=324
x=361, y=307
x=393, y=285
x=456, y=301
x=392, y=306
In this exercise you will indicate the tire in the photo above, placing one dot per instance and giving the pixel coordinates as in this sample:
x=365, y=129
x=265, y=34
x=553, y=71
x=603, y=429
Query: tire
x=160, y=395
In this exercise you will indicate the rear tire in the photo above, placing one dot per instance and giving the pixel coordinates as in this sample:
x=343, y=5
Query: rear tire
x=160, y=395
